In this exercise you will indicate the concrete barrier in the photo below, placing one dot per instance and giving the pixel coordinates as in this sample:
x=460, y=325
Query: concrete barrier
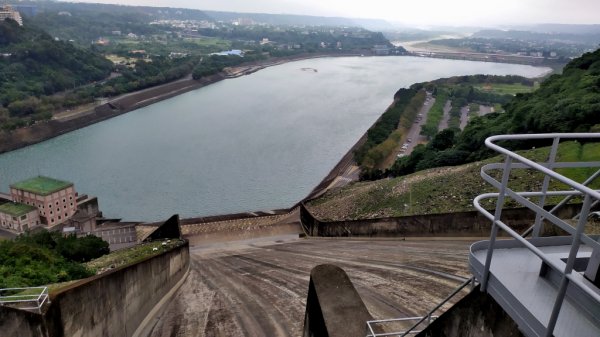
x=14, y=322
x=476, y=314
x=458, y=224
x=109, y=304
x=333, y=307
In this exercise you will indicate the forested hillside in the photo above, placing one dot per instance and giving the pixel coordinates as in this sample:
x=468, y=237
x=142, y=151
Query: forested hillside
x=569, y=102
x=564, y=103
x=33, y=64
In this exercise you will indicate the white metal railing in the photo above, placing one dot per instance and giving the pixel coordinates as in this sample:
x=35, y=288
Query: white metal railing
x=423, y=321
x=31, y=299
x=590, y=197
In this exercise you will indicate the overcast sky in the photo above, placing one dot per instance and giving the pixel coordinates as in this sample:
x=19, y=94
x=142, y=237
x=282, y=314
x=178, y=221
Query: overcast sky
x=414, y=12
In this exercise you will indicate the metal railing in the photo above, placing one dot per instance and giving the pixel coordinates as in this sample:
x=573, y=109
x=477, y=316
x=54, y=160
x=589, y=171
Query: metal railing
x=590, y=196
x=31, y=299
x=427, y=319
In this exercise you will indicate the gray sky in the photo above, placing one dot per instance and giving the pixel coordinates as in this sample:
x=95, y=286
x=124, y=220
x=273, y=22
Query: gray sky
x=419, y=12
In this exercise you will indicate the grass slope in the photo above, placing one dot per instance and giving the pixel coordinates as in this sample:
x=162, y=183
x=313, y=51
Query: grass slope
x=441, y=190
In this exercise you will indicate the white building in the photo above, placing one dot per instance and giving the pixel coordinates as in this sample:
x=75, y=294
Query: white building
x=6, y=12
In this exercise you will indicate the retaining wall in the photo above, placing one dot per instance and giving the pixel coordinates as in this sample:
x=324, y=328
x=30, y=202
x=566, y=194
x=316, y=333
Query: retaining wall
x=465, y=224
x=477, y=315
x=106, y=305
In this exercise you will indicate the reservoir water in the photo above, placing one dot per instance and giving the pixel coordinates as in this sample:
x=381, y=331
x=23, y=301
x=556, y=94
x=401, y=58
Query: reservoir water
x=257, y=142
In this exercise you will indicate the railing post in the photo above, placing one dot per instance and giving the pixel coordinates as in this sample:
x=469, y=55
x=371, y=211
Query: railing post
x=370, y=331
x=497, y=215
x=537, y=227
x=585, y=209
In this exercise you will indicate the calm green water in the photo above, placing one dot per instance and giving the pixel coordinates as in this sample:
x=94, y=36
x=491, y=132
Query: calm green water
x=256, y=142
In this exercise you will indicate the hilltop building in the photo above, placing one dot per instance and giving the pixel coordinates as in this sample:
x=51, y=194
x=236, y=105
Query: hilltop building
x=7, y=12
x=18, y=217
x=55, y=200
x=43, y=202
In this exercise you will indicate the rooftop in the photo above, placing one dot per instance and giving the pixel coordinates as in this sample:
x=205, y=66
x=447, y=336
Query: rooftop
x=16, y=209
x=41, y=185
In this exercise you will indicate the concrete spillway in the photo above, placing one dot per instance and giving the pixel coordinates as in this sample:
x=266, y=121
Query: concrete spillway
x=258, y=287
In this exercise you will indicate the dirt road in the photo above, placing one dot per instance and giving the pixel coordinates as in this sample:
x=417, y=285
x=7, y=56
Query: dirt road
x=258, y=287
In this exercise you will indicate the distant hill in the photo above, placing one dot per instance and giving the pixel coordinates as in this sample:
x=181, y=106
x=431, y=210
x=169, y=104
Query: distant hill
x=562, y=28
x=35, y=64
x=83, y=22
x=591, y=35
x=301, y=20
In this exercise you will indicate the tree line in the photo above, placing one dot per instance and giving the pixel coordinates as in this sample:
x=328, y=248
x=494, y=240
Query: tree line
x=569, y=102
x=41, y=258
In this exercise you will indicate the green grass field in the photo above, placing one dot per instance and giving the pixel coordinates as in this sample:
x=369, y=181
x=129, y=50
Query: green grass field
x=502, y=89
x=444, y=190
x=195, y=46
x=437, y=111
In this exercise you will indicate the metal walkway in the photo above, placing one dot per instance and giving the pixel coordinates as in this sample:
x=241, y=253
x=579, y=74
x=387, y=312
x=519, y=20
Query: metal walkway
x=548, y=285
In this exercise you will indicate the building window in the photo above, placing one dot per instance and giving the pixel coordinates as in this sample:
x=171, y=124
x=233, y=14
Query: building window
x=51, y=212
x=23, y=217
x=57, y=203
x=59, y=217
x=51, y=219
x=64, y=200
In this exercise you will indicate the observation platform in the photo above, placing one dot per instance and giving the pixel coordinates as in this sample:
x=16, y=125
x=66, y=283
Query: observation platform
x=549, y=285
x=528, y=297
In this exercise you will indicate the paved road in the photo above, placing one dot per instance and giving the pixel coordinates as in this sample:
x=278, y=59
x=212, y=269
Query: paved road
x=258, y=287
x=415, y=130
x=484, y=110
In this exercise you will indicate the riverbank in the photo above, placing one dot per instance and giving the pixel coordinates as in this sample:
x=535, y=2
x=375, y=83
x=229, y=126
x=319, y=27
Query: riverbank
x=122, y=104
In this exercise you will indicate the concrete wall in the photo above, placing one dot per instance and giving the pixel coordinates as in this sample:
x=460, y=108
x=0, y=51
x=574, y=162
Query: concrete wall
x=14, y=322
x=442, y=225
x=475, y=315
x=333, y=306
x=110, y=304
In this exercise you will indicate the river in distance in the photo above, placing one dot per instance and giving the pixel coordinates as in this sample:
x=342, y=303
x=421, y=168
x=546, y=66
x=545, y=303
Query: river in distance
x=256, y=142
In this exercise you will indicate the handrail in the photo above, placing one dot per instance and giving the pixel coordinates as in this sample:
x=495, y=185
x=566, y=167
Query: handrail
x=530, y=246
x=37, y=300
x=590, y=196
x=575, y=185
x=429, y=316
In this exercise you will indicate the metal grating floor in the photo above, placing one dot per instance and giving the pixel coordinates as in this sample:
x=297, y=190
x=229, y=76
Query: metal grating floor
x=517, y=269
